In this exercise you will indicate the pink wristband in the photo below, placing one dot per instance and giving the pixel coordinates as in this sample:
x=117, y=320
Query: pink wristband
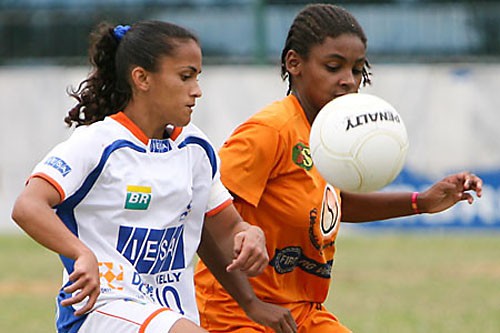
x=414, y=205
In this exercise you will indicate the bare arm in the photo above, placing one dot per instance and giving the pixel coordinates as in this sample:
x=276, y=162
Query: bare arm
x=442, y=195
x=34, y=214
x=233, y=250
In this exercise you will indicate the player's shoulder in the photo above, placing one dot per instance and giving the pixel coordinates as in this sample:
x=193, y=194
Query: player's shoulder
x=278, y=115
x=190, y=136
x=93, y=138
x=190, y=130
x=93, y=133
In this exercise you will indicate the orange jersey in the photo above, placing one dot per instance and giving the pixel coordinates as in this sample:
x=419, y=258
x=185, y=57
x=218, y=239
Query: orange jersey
x=267, y=165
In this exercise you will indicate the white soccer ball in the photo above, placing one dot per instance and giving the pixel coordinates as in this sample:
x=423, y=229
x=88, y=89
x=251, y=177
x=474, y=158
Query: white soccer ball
x=358, y=142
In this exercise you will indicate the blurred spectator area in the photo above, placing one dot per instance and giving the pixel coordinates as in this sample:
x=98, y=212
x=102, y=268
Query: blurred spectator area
x=253, y=31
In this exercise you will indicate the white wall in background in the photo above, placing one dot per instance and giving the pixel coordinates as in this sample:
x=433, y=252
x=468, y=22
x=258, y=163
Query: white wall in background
x=451, y=112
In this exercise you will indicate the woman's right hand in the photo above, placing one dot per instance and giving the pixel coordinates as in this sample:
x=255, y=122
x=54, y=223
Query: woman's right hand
x=33, y=212
x=85, y=282
x=271, y=315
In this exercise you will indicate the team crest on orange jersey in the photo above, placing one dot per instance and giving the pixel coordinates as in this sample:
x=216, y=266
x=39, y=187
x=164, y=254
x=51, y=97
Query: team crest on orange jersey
x=301, y=155
x=323, y=232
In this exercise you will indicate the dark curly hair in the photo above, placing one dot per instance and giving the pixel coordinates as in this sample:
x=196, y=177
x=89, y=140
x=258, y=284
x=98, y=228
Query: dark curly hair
x=107, y=89
x=313, y=25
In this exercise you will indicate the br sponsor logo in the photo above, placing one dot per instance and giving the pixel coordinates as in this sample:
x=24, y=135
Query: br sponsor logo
x=59, y=165
x=138, y=197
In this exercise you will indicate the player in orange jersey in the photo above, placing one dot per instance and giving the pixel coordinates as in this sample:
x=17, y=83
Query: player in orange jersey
x=267, y=166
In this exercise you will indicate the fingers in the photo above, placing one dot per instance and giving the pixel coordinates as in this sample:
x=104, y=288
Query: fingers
x=466, y=181
x=250, y=254
x=474, y=183
x=257, y=268
x=451, y=190
x=238, y=244
x=85, y=284
x=240, y=258
x=250, y=260
x=290, y=325
x=253, y=270
x=277, y=317
x=468, y=197
x=286, y=324
x=83, y=288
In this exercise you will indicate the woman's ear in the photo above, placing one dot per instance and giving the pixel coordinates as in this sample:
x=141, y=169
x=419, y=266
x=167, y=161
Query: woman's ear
x=293, y=62
x=140, y=78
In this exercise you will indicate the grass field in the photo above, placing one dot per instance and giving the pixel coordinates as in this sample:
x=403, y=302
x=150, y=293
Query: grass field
x=383, y=283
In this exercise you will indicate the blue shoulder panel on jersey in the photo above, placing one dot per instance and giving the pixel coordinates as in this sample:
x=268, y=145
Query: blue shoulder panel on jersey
x=65, y=210
x=209, y=150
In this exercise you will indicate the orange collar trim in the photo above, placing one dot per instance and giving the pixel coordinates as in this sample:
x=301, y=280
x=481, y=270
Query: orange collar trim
x=131, y=126
x=175, y=133
x=136, y=131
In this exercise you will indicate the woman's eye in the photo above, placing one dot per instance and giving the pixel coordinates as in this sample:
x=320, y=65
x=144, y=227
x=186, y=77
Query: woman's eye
x=357, y=71
x=332, y=68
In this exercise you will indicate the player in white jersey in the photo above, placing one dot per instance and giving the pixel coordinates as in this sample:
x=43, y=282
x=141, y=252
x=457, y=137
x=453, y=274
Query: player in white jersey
x=135, y=192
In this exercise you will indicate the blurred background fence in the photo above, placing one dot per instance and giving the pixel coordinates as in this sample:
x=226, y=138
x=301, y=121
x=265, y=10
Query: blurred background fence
x=438, y=62
x=253, y=31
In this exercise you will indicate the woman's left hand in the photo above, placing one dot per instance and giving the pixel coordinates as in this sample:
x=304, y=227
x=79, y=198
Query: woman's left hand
x=448, y=191
x=250, y=254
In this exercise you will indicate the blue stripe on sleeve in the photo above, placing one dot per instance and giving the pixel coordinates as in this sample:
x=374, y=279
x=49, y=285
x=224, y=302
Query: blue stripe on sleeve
x=209, y=150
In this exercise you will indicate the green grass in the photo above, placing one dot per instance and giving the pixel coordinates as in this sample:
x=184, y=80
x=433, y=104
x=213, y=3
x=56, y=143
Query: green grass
x=382, y=283
x=29, y=280
x=417, y=283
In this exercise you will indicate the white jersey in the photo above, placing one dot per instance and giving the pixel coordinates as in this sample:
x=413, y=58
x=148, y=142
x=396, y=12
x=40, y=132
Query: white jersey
x=139, y=204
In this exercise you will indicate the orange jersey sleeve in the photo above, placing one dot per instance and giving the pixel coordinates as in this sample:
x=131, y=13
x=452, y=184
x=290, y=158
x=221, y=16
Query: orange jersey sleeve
x=246, y=163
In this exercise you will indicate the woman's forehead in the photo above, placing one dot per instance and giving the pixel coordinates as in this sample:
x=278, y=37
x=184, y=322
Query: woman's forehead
x=344, y=46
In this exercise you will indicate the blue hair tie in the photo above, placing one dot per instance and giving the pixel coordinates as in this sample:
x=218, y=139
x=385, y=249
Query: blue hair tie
x=120, y=30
